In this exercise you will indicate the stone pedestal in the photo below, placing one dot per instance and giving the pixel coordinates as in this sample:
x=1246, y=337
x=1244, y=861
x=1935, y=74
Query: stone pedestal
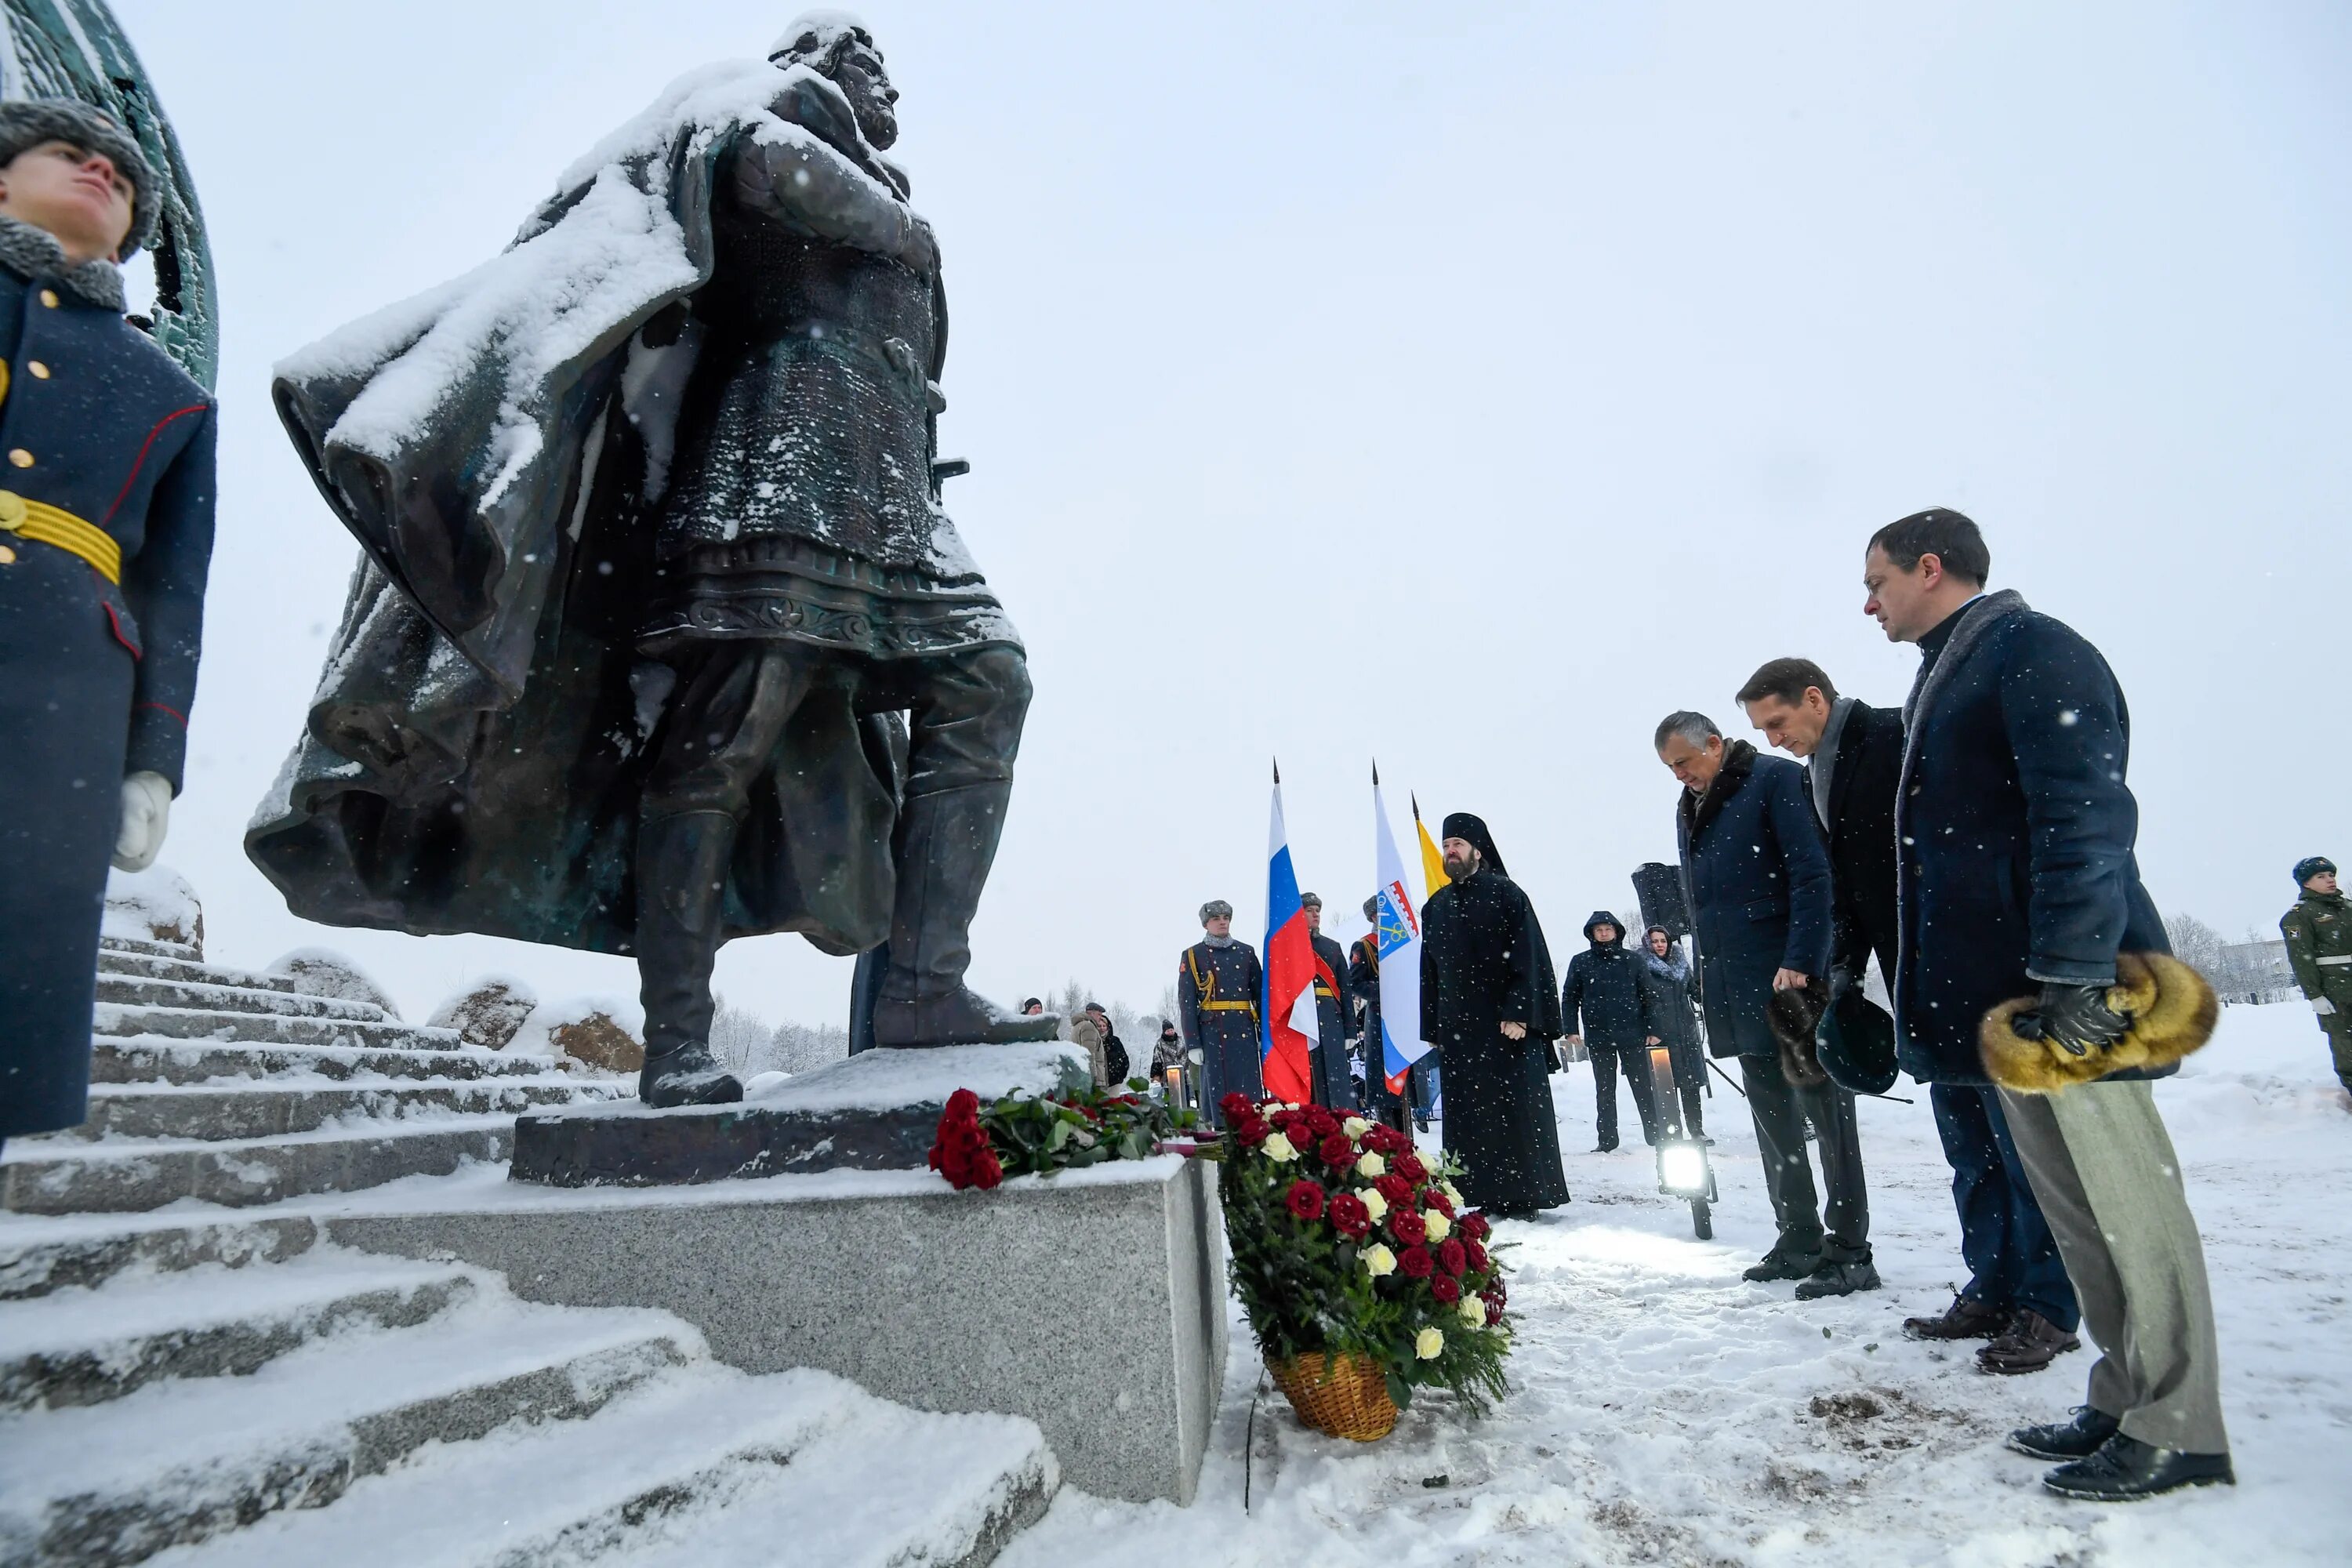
x=1092, y=1301
x=875, y=1111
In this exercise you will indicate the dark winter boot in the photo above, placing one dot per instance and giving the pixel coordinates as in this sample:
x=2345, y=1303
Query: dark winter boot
x=946, y=844
x=1966, y=1319
x=1785, y=1262
x=1838, y=1276
x=2126, y=1470
x=2078, y=1437
x=2031, y=1342
x=681, y=885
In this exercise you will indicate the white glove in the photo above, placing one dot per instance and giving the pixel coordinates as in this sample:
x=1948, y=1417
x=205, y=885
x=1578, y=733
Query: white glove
x=2323, y=1006
x=146, y=816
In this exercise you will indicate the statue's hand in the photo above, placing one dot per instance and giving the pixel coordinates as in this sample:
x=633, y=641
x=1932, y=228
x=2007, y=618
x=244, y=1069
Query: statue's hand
x=922, y=251
x=146, y=816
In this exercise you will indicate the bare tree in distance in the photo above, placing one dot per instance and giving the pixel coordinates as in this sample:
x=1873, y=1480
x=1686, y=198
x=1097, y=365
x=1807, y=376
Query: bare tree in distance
x=738, y=1038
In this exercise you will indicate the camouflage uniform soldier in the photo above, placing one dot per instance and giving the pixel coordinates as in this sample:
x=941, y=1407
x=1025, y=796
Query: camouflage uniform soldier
x=2318, y=933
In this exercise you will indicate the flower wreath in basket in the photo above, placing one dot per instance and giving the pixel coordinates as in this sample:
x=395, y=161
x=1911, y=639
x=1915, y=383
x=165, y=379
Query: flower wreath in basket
x=1347, y=1241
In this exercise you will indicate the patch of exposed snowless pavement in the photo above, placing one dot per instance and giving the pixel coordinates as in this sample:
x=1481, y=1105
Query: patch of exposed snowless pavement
x=1663, y=1411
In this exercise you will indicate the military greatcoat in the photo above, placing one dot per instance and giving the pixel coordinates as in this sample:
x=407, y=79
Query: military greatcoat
x=106, y=536
x=1217, y=998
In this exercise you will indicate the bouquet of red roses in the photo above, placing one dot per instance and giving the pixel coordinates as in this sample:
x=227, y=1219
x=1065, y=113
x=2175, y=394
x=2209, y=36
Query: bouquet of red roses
x=1346, y=1241
x=979, y=1145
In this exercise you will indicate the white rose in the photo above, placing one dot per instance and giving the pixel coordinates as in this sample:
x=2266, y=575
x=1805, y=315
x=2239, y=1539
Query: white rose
x=1474, y=1311
x=1278, y=1149
x=1429, y=1345
x=1438, y=1223
x=1452, y=1197
x=1371, y=1167
x=1374, y=1205
x=1378, y=1260
x=1355, y=1127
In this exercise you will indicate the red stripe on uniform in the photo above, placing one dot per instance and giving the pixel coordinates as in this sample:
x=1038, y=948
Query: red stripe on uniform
x=140, y=461
x=167, y=708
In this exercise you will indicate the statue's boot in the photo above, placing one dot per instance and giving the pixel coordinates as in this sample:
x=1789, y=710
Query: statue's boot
x=681, y=886
x=946, y=844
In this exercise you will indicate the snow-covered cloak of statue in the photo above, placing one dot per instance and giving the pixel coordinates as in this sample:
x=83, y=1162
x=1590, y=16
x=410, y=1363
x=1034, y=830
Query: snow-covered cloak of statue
x=474, y=749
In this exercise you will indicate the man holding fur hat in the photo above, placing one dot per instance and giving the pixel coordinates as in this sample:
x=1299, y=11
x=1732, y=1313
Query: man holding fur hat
x=2030, y=957
x=2318, y=933
x=106, y=536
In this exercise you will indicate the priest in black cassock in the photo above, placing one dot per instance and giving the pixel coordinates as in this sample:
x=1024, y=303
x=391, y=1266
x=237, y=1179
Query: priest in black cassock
x=1489, y=1004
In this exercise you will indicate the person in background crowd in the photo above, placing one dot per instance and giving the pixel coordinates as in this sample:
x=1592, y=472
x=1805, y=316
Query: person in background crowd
x=1086, y=1033
x=1757, y=877
x=1170, y=1070
x=1218, y=983
x=1033, y=1007
x=1333, y=1085
x=2318, y=931
x=1114, y=1049
x=1488, y=1007
x=106, y=539
x=1380, y=1104
x=2018, y=1295
x=1604, y=990
x=2013, y=814
x=1670, y=1018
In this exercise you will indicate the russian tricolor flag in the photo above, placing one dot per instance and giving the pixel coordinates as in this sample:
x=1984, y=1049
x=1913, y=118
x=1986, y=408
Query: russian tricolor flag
x=1288, y=1006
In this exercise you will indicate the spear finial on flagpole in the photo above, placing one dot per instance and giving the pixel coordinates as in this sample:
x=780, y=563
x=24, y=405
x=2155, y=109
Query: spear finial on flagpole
x=1277, y=769
x=1376, y=773
x=1416, y=804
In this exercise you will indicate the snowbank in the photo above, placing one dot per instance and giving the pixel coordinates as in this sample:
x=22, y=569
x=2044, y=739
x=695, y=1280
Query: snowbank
x=323, y=972
x=154, y=905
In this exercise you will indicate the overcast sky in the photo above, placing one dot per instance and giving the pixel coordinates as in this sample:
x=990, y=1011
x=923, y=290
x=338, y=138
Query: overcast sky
x=1467, y=385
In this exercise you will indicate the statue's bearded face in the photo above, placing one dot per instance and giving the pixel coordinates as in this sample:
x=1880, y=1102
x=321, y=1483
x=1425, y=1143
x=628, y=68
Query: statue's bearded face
x=866, y=85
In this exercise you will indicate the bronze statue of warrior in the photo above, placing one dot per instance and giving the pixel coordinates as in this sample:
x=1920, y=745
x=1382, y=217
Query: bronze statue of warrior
x=696, y=592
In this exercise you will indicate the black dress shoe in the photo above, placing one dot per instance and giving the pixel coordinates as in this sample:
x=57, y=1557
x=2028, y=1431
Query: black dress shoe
x=1838, y=1276
x=1966, y=1319
x=2076, y=1438
x=2127, y=1470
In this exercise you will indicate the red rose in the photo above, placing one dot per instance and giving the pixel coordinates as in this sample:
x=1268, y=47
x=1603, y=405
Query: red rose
x=1474, y=1226
x=1446, y=1289
x=1451, y=1256
x=1305, y=1199
x=1320, y=1121
x=1477, y=1252
x=1236, y=1109
x=1250, y=1134
x=1494, y=1313
x=963, y=1105
x=1436, y=1200
x=1494, y=1291
x=1410, y=1167
x=1349, y=1216
x=1408, y=1226
x=1414, y=1263
x=1385, y=1140
x=1396, y=1189
x=1337, y=1151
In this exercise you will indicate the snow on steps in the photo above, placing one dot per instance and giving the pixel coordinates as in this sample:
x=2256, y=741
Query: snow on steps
x=116, y=962
x=268, y=1106
x=339, y=1408
x=220, y=996
x=115, y=1020
x=180, y=1458
x=153, y=1059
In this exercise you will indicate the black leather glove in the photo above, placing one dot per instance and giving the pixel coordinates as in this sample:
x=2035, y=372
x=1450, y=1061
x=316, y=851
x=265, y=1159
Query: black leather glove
x=2074, y=1016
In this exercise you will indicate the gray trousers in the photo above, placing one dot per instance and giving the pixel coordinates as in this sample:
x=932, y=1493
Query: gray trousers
x=1780, y=1111
x=2109, y=1183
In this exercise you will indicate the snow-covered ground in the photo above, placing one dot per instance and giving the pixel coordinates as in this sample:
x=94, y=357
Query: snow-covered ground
x=1663, y=1411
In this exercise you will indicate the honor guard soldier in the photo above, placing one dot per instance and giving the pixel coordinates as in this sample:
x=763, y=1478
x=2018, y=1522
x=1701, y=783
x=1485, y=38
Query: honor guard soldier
x=106, y=534
x=1333, y=1006
x=1218, y=983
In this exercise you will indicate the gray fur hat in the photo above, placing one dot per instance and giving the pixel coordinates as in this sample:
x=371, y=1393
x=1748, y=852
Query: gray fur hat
x=1216, y=909
x=26, y=123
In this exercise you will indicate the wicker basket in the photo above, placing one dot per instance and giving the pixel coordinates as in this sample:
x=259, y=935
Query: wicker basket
x=1346, y=1395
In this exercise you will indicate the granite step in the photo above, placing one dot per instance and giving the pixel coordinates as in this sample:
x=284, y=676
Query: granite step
x=158, y=967
x=183, y=1459
x=115, y=1020
x=155, y=1059
x=273, y=1107
x=142, y=947
x=132, y=1174
x=706, y=1466
x=212, y=996
x=85, y=1346
x=42, y=1254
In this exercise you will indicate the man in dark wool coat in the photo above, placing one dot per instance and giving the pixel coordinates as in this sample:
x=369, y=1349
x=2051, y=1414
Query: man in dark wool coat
x=1218, y=980
x=1489, y=1006
x=2019, y=878
x=106, y=536
x=1334, y=1003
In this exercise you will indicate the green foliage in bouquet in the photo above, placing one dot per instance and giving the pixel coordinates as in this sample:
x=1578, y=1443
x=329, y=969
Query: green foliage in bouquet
x=1348, y=1240
x=980, y=1145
